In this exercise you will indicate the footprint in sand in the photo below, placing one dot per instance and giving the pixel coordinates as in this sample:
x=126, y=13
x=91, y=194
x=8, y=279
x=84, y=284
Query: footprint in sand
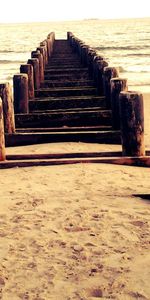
x=138, y=223
x=95, y=293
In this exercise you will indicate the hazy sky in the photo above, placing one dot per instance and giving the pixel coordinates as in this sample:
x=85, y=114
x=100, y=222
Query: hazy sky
x=51, y=10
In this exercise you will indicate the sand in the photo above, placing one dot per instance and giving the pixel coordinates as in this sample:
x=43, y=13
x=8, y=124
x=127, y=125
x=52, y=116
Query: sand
x=75, y=231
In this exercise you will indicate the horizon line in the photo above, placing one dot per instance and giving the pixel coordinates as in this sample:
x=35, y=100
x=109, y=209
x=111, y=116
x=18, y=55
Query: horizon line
x=73, y=20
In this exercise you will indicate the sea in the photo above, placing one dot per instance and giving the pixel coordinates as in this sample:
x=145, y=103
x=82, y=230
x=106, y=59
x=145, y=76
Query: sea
x=124, y=43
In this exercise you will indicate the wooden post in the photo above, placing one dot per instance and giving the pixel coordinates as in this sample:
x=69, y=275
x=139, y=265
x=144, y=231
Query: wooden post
x=42, y=51
x=8, y=107
x=108, y=73
x=28, y=69
x=132, y=123
x=117, y=85
x=20, y=85
x=44, y=44
x=99, y=65
x=35, y=63
x=91, y=55
x=50, y=42
x=49, y=45
x=38, y=55
x=2, y=136
x=84, y=50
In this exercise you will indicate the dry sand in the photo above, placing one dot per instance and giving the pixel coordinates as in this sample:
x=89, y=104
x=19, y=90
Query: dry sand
x=75, y=231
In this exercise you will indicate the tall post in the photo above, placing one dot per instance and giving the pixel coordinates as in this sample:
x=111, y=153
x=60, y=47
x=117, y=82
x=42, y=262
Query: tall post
x=38, y=55
x=42, y=51
x=28, y=69
x=44, y=44
x=117, y=85
x=99, y=65
x=35, y=63
x=8, y=107
x=108, y=73
x=91, y=55
x=20, y=85
x=132, y=123
x=2, y=136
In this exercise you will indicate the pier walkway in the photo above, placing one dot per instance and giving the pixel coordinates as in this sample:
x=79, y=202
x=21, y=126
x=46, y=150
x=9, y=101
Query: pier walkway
x=67, y=105
x=67, y=93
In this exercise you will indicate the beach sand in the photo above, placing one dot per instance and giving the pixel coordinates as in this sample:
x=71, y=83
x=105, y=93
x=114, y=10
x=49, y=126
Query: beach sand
x=75, y=232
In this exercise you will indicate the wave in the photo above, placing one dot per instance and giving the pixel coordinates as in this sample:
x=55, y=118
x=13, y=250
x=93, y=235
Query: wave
x=123, y=70
x=139, y=84
x=115, y=48
x=100, y=48
x=138, y=54
x=12, y=51
x=7, y=61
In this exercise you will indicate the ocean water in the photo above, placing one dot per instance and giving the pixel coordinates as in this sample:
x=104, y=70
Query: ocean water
x=124, y=44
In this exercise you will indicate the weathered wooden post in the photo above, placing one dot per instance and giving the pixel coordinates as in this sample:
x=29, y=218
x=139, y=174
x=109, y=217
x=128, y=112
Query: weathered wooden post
x=117, y=85
x=42, y=51
x=132, y=123
x=2, y=136
x=108, y=73
x=84, y=51
x=99, y=65
x=44, y=44
x=90, y=60
x=50, y=42
x=35, y=63
x=8, y=107
x=81, y=44
x=20, y=85
x=28, y=69
x=38, y=55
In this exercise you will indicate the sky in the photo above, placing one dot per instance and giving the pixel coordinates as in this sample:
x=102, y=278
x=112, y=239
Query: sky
x=17, y=11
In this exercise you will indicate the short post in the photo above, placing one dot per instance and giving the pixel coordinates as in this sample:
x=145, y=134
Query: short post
x=108, y=73
x=132, y=123
x=20, y=85
x=117, y=85
x=35, y=63
x=8, y=107
x=2, y=136
x=28, y=69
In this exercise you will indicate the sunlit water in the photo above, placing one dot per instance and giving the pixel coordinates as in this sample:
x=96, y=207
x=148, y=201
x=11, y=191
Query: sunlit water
x=123, y=43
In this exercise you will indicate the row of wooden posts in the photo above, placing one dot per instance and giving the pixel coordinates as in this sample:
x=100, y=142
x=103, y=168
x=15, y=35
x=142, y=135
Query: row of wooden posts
x=24, y=85
x=126, y=106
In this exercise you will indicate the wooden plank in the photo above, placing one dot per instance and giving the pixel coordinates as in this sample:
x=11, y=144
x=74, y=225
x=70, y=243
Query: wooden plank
x=127, y=161
x=69, y=83
x=83, y=118
x=68, y=91
x=68, y=102
x=62, y=155
x=69, y=70
x=61, y=110
x=19, y=139
x=73, y=76
x=32, y=156
x=72, y=65
x=66, y=129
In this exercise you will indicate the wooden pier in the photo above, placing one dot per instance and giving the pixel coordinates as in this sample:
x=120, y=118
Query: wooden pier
x=67, y=92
